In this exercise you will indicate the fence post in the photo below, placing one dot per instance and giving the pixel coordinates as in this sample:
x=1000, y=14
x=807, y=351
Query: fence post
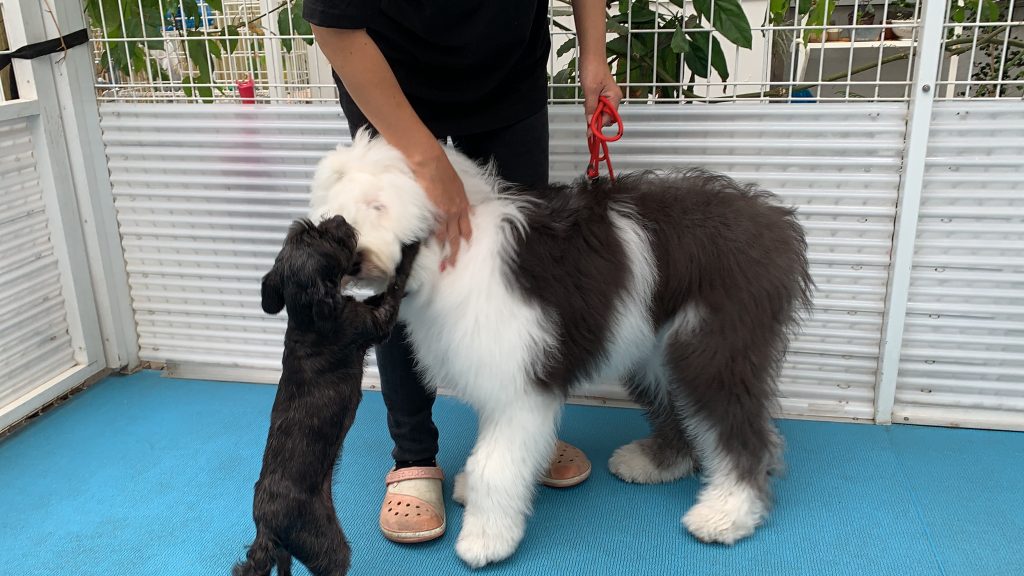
x=922, y=98
x=74, y=74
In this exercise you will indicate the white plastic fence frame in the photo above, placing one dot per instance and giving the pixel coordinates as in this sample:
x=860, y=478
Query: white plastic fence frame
x=52, y=338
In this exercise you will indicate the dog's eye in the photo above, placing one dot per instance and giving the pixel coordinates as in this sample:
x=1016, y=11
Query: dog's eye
x=377, y=206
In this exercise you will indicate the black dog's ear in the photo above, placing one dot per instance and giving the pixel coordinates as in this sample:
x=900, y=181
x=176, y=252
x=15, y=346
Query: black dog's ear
x=272, y=293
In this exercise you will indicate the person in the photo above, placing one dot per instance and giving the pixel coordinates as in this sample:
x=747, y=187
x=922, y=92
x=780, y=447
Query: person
x=418, y=73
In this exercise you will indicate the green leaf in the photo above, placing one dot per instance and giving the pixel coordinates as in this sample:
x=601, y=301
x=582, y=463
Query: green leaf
x=718, y=61
x=615, y=27
x=990, y=10
x=729, y=20
x=299, y=25
x=957, y=14
x=566, y=75
x=191, y=10
x=215, y=5
x=231, y=37
x=566, y=46
x=679, y=42
x=282, y=28
x=125, y=58
x=642, y=44
x=703, y=43
x=696, y=57
x=778, y=7
x=679, y=3
x=618, y=46
x=642, y=13
x=818, y=18
x=668, y=64
x=198, y=52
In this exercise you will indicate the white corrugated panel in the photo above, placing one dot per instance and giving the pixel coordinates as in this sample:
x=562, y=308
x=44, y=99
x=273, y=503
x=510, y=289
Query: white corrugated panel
x=34, y=341
x=840, y=165
x=204, y=194
x=962, y=361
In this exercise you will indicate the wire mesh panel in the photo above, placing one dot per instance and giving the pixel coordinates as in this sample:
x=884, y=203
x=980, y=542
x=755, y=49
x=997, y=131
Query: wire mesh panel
x=35, y=345
x=201, y=50
x=659, y=50
x=984, y=42
x=963, y=352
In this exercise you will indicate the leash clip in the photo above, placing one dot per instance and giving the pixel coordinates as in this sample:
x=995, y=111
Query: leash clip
x=597, y=141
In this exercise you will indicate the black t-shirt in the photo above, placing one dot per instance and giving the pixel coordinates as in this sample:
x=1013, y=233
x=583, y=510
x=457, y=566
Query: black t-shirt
x=466, y=66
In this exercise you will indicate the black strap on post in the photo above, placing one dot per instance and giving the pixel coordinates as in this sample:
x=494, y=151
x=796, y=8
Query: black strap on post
x=52, y=46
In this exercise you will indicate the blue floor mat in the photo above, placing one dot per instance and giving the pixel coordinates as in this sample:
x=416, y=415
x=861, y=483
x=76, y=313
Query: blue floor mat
x=146, y=475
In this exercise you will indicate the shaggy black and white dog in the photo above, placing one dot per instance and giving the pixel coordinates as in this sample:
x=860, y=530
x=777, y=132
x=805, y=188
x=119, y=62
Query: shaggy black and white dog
x=326, y=341
x=683, y=285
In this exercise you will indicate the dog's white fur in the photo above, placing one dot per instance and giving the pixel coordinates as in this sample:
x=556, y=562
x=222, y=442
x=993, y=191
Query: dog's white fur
x=476, y=336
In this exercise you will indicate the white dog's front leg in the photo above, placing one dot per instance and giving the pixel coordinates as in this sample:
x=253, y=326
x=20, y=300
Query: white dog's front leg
x=512, y=450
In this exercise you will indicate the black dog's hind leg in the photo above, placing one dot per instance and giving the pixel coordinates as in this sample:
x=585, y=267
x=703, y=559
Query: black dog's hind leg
x=320, y=543
x=284, y=562
x=259, y=560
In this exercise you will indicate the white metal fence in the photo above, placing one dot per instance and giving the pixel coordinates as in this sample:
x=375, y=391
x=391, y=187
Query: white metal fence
x=204, y=192
x=907, y=173
x=57, y=326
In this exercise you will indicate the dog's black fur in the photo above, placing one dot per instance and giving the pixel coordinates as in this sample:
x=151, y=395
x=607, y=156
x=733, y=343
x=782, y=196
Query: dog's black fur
x=326, y=342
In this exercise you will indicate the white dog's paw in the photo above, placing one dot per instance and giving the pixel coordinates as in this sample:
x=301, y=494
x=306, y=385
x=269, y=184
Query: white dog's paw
x=459, y=489
x=634, y=463
x=484, y=541
x=725, y=514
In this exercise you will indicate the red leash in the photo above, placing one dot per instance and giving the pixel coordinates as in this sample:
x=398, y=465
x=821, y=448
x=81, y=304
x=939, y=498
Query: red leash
x=597, y=141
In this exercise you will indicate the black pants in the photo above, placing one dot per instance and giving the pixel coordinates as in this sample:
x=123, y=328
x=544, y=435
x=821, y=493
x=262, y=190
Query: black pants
x=520, y=153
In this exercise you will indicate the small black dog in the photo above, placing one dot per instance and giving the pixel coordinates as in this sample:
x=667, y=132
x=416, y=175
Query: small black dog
x=325, y=346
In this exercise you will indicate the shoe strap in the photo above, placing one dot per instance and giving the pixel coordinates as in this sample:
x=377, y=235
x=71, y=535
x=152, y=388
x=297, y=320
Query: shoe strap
x=414, y=473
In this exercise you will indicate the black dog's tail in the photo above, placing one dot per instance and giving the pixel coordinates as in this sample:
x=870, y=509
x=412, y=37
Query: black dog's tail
x=262, y=556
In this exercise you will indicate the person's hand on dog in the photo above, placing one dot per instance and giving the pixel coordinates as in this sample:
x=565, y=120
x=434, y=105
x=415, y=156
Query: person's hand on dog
x=445, y=189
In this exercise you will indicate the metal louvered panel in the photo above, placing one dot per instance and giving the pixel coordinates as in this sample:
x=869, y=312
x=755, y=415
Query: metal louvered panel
x=34, y=342
x=203, y=209
x=840, y=165
x=962, y=360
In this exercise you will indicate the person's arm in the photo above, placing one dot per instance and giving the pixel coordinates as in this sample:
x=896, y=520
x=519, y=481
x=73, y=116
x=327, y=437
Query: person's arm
x=595, y=77
x=371, y=83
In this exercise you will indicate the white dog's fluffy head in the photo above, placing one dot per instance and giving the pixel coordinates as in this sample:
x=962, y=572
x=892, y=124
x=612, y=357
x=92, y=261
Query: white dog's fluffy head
x=371, y=185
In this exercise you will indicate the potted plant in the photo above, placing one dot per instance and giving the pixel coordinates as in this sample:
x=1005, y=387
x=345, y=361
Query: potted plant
x=865, y=16
x=901, y=18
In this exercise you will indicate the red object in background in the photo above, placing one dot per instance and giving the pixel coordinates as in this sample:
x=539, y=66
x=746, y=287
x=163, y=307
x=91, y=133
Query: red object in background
x=597, y=141
x=247, y=90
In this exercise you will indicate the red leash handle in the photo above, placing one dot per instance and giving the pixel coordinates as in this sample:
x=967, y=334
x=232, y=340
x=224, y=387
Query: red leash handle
x=597, y=141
